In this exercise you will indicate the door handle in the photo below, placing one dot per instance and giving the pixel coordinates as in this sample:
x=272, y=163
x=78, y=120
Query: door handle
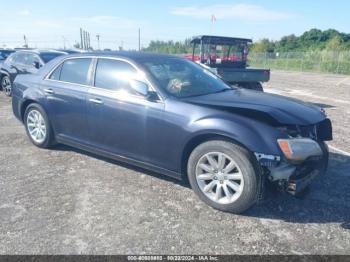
x=96, y=101
x=49, y=91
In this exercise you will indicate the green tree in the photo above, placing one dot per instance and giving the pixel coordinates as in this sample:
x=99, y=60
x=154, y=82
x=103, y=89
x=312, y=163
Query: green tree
x=335, y=44
x=262, y=46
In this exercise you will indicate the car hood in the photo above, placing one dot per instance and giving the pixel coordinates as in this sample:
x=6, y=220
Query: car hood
x=262, y=106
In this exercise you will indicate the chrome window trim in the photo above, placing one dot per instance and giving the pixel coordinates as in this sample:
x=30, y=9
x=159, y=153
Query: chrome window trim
x=114, y=94
x=94, y=64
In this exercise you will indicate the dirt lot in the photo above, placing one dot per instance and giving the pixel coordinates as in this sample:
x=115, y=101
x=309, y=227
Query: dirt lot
x=65, y=201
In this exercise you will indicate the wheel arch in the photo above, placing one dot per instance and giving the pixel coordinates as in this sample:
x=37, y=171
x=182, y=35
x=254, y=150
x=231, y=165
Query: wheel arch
x=25, y=105
x=4, y=73
x=202, y=138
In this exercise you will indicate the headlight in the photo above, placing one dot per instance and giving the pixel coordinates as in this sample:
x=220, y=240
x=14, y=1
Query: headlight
x=299, y=149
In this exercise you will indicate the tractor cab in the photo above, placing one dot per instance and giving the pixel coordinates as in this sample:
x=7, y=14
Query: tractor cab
x=227, y=57
x=217, y=51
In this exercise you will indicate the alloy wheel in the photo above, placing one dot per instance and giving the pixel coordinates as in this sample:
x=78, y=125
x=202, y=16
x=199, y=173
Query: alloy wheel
x=36, y=126
x=6, y=85
x=219, y=178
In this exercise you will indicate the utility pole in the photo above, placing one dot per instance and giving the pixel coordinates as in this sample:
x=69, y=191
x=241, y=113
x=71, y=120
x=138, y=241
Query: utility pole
x=98, y=41
x=64, y=42
x=81, y=39
x=139, y=39
x=25, y=41
x=89, y=46
x=85, y=40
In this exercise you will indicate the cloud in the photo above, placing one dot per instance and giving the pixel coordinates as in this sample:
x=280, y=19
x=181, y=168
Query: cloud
x=24, y=13
x=243, y=12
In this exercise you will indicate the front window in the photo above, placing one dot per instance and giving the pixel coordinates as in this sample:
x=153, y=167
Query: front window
x=21, y=58
x=114, y=75
x=31, y=59
x=182, y=78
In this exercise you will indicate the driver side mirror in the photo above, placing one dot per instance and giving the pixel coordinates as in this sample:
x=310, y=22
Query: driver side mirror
x=36, y=64
x=139, y=87
x=142, y=88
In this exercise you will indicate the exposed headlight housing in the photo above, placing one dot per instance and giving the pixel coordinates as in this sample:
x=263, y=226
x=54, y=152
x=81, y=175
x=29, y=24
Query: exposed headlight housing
x=299, y=149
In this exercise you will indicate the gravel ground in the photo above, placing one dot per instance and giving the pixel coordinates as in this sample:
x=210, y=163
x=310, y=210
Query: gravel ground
x=65, y=201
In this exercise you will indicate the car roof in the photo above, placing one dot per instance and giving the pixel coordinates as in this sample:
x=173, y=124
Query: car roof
x=41, y=51
x=132, y=55
x=219, y=39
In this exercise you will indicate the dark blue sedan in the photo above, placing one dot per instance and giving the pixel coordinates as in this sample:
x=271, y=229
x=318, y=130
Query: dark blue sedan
x=172, y=116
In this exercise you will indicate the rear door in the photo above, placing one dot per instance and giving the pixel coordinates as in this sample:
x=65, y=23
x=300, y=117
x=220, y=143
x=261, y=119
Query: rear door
x=66, y=89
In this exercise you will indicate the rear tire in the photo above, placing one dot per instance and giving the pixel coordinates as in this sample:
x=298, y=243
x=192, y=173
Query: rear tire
x=38, y=127
x=230, y=190
x=6, y=85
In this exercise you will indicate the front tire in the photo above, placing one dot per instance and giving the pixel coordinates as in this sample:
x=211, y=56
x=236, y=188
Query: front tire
x=6, y=85
x=38, y=126
x=224, y=175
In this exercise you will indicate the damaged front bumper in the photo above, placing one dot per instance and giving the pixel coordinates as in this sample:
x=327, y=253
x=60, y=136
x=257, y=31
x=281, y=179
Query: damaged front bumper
x=294, y=176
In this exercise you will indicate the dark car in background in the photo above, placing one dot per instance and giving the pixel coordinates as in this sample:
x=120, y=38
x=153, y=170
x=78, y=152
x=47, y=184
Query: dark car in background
x=72, y=51
x=24, y=62
x=4, y=53
x=172, y=116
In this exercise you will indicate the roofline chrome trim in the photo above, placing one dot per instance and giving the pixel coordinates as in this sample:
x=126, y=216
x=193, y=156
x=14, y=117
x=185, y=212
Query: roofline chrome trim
x=149, y=83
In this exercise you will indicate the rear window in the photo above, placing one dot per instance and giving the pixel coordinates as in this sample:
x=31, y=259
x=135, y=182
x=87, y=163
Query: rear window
x=75, y=71
x=11, y=58
x=56, y=74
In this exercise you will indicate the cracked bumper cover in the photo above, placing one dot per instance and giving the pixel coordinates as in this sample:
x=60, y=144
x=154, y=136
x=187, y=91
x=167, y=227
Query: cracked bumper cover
x=294, y=177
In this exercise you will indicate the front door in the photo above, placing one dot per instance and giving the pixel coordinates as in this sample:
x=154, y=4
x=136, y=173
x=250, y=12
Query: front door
x=119, y=118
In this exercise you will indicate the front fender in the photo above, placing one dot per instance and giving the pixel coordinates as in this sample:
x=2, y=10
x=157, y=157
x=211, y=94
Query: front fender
x=254, y=135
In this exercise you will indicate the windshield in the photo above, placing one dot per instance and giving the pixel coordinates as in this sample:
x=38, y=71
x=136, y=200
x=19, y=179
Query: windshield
x=46, y=57
x=182, y=78
x=231, y=53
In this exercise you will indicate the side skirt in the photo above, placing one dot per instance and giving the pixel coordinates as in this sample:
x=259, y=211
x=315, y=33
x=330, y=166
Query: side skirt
x=66, y=141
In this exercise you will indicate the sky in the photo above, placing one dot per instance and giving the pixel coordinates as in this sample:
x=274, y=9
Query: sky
x=54, y=24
